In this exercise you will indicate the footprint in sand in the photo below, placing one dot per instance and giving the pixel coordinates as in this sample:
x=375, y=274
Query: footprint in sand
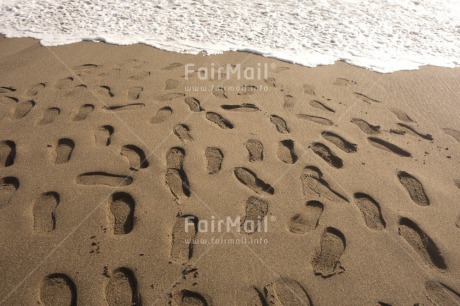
x=103, y=178
x=327, y=155
x=247, y=90
x=175, y=158
x=370, y=210
x=365, y=98
x=5, y=100
x=170, y=96
x=64, y=83
x=44, y=212
x=339, y=142
x=140, y=76
x=105, y=91
x=245, y=107
x=312, y=181
x=135, y=156
x=177, y=183
x=134, y=93
x=7, y=153
x=8, y=186
x=414, y=187
x=183, y=233
x=401, y=115
x=175, y=177
x=458, y=222
x=189, y=298
x=124, y=107
x=387, y=146
x=6, y=89
x=83, y=112
x=414, y=132
x=172, y=66
x=366, y=127
x=308, y=89
x=326, y=262
x=58, y=290
x=287, y=292
x=321, y=106
x=422, y=244
x=35, y=89
x=343, y=82
x=454, y=133
x=256, y=210
x=255, y=150
x=250, y=297
x=64, y=151
x=219, y=92
x=307, y=220
x=85, y=69
x=250, y=180
x=49, y=115
x=171, y=84
x=289, y=101
x=270, y=82
x=122, y=288
x=23, y=108
x=214, y=158
x=280, y=124
x=441, y=294
x=122, y=213
x=161, y=115
x=219, y=120
x=103, y=135
x=286, y=152
x=182, y=131
x=194, y=104
x=316, y=119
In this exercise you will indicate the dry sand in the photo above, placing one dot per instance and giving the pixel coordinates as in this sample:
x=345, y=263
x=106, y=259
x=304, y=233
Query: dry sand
x=104, y=152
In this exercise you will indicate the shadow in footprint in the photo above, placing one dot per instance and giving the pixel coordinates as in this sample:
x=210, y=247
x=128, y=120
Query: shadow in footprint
x=103, y=135
x=23, y=108
x=122, y=288
x=8, y=186
x=256, y=210
x=326, y=262
x=7, y=153
x=286, y=291
x=161, y=115
x=183, y=233
x=414, y=187
x=255, y=150
x=122, y=213
x=45, y=212
x=250, y=180
x=286, y=152
x=423, y=245
x=49, y=115
x=83, y=112
x=307, y=220
x=64, y=150
x=135, y=156
x=214, y=158
x=312, y=180
x=57, y=290
x=370, y=210
x=387, y=146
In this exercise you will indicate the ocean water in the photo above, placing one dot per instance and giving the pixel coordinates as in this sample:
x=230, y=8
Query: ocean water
x=382, y=35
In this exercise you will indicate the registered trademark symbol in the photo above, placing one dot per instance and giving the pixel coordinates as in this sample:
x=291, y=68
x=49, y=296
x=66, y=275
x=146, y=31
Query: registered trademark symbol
x=273, y=66
x=272, y=218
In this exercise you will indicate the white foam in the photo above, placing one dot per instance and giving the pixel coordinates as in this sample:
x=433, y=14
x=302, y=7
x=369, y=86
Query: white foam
x=382, y=35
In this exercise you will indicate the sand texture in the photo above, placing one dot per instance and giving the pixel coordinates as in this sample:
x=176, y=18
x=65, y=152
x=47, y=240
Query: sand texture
x=106, y=154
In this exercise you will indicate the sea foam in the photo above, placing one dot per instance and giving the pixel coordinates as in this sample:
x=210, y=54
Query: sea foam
x=382, y=35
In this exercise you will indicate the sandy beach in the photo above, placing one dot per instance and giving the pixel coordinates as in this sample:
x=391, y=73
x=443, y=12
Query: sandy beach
x=109, y=153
